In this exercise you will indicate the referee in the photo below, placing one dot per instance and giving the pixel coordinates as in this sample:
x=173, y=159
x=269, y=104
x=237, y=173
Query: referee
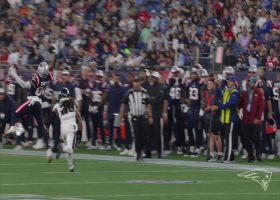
x=139, y=107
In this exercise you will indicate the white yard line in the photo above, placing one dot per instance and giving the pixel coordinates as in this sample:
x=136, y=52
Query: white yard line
x=129, y=182
x=116, y=171
x=14, y=196
x=150, y=161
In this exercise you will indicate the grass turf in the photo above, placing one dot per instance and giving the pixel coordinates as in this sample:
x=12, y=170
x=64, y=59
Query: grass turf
x=30, y=175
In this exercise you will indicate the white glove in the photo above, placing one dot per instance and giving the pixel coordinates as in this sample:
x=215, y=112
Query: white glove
x=55, y=50
x=201, y=112
x=94, y=109
x=2, y=115
x=184, y=108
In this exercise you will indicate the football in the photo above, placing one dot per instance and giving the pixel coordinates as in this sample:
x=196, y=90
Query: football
x=52, y=48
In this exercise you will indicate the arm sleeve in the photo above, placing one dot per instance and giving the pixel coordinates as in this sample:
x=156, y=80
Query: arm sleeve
x=78, y=94
x=233, y=100
x=22, y=83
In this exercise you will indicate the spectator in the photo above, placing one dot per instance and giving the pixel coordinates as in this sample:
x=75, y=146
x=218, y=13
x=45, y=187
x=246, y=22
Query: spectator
x=127, y=24
x=115, y=59
x=154, y=21
x=244, y=39
x=241, y=21
x=145, y=35
x=272, y=60
x=229, y=58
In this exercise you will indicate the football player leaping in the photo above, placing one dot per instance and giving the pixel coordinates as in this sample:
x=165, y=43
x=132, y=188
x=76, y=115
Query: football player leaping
x=33, y=104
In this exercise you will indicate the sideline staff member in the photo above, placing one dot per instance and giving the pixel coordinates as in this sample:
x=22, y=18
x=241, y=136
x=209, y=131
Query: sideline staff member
x=139, y=107
x=159, y=105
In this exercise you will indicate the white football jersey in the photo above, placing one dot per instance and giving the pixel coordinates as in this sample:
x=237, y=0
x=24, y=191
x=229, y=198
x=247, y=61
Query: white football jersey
x=66, y=116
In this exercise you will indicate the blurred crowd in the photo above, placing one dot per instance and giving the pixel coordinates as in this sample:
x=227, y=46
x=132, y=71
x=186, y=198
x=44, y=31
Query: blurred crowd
x=139, y=33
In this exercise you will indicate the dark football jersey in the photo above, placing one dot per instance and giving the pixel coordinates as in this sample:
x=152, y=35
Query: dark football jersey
x=193, y=94
x=12, y=88
x=174, y=91
x=39, y=85
x=276, y=96
x=97, y=91
x=85, y=85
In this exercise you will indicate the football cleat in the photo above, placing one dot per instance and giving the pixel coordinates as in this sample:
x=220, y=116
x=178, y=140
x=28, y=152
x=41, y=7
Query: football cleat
x=49, y=155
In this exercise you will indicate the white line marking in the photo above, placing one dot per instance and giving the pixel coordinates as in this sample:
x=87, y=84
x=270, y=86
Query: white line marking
x=109, y=171
x=149, y=161
x=117, y=182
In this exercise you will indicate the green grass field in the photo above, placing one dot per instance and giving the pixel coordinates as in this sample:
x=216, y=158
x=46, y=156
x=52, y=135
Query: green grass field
x=31, y=177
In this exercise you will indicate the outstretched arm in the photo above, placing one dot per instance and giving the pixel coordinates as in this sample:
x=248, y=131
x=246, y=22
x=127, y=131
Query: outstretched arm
x=53, y=62
x=53, y=49
x=22, y=83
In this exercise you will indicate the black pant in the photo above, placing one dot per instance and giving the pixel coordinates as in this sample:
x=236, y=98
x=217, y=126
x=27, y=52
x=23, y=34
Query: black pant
x=36, y=110
x=175, y=124
x=56, y=132
x=97, y=122
x=252, y=137
x=3, y=123
x=227, y=138
x=266, y=140
x=140, y=129
x=155, y=138
x=194, y=121
x=128, y=134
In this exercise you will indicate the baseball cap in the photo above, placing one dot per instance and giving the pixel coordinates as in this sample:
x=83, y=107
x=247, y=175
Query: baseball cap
x=65, y=72
x=174, y=69
x=253, y=68
x=155, y=74
x=85, y=67
x=99, y=73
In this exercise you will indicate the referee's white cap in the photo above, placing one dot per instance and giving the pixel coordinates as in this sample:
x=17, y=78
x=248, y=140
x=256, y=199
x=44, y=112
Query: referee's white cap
x=155, y=74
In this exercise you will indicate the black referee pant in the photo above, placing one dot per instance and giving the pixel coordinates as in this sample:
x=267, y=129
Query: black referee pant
x=253, y=138
x=227, y=139
x=140, y=129
x=155, y=138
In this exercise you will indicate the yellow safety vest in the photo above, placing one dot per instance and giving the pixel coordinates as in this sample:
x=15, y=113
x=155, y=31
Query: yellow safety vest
x=226, y=113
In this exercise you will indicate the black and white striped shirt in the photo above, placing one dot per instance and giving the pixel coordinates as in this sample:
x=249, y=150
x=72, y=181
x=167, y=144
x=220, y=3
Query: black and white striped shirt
x=137, y=101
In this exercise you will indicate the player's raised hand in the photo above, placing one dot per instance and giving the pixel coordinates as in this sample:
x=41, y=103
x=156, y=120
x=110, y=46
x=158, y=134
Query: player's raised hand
x=53, y=49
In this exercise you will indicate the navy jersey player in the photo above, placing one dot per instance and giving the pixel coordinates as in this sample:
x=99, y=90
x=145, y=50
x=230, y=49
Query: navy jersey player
x=276, y=110
x=12, y=89
x=175, y=89
x=33, y=104
x=98, y=98
x=85, y=86
x=193, y=92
